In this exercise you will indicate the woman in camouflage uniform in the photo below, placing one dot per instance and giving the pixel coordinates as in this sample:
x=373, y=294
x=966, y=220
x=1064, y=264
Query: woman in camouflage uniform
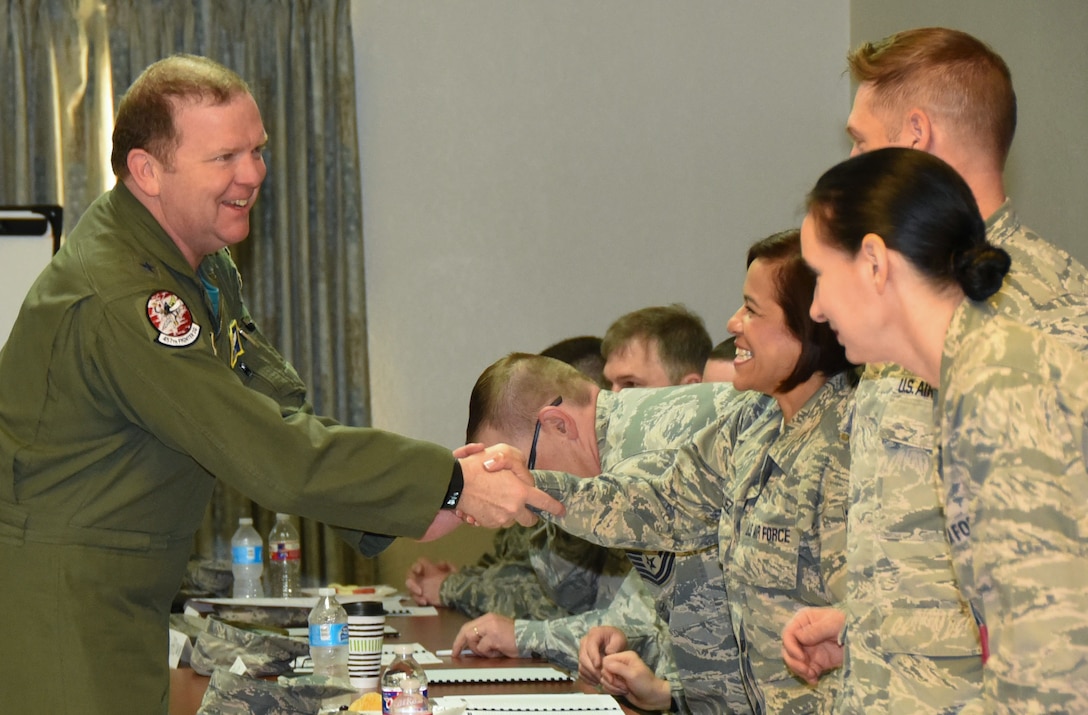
x=768, y=490
x=906, y=275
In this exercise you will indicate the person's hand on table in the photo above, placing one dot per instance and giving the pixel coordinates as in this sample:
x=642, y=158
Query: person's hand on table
x=810, y=642
x=495, y=496
x=624, y=674
x=598, y=642
x=489, y=636
x=425, y=579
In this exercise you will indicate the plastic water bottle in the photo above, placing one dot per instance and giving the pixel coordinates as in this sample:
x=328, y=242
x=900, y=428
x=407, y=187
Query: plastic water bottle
x=247, y=555
x=284, y=559
x=411, y=701
x=329, y=635
x=403, y=667
x=329, y=644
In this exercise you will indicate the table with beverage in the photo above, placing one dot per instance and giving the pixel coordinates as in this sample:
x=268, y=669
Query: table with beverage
x=434, y=633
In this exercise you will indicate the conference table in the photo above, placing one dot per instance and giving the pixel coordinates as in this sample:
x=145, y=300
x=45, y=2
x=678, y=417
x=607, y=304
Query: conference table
x=434, y=633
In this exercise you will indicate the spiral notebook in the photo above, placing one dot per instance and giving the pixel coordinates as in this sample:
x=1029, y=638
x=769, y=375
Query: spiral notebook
x=529, y=704
x=532, y=674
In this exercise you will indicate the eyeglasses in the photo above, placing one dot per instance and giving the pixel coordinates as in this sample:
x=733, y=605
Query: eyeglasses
x=531, y=463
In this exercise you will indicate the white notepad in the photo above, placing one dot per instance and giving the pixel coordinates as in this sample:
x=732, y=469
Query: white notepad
x=528, y=704
x=533, y=674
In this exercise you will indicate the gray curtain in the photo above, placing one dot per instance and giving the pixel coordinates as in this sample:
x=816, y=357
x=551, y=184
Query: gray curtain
x=55, y=90
x=303, y=263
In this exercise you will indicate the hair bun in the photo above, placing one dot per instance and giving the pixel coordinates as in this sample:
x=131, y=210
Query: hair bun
x=980, y=270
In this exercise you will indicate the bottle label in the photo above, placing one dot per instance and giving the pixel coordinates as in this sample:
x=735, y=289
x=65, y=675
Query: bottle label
x=247, y=554
x=391, y=692
x=329, y=634
x=284, y=551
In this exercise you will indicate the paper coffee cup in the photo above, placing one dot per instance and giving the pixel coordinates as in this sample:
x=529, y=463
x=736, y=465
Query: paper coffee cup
x=366, y=633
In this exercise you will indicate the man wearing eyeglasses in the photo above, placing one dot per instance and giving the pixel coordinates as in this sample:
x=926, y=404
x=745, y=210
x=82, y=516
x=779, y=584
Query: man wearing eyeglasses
x=669, y=610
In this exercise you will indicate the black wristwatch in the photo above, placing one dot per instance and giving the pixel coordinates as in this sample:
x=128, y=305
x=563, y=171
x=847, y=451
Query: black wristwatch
x=457, y=485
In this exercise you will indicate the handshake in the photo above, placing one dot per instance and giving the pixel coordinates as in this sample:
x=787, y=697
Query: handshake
x=499, y=490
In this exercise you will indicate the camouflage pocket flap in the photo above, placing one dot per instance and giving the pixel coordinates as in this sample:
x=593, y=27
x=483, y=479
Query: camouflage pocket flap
x=912, y=430
x=934, y=632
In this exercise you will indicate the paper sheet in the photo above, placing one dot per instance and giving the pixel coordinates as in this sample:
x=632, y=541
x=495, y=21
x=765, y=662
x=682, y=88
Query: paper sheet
x=531, y=674
x=528, y=704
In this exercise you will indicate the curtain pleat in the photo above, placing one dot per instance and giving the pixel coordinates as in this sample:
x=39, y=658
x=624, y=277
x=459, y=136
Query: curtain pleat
x=302, y=265
x=56, y=91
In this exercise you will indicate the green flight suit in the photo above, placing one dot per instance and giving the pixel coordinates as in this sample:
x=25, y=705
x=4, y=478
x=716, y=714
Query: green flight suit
x=126, y=389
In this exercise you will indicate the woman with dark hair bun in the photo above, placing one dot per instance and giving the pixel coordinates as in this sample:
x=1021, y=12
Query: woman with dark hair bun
x=905, y=275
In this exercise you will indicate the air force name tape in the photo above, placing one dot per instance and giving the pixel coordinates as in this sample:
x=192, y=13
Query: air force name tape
x=171, y=317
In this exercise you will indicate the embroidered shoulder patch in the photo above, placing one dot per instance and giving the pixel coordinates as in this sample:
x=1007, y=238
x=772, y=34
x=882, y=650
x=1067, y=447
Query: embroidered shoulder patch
x=654, y=566
x=171, y=317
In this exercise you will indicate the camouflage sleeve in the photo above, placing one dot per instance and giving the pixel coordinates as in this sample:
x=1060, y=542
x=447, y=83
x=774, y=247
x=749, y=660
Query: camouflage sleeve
x=502, y=582
x=666, y=500
x=632, y=611
x=508, y=589
x=576, y=574
x=1015, y=469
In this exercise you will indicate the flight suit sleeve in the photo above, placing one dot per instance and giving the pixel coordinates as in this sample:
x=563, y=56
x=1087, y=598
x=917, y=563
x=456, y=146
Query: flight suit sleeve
x=291, y=461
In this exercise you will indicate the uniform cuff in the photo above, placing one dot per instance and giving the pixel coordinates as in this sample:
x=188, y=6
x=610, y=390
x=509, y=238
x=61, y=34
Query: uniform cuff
x=457, y=485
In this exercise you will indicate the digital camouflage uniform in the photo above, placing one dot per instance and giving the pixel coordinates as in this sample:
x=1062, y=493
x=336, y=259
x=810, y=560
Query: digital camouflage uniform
x=632, y=610
x=1013, y=412
x=685, y=584
x=912, y=644
x=230, y=694
x=536, y=572
x=128, y=385
x=683, y=499
x=787, y=548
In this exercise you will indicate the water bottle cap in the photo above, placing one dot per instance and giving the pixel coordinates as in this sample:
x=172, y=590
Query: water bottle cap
x=282, y=517
x=404, y=648
x=245, y=520
x=326, y=592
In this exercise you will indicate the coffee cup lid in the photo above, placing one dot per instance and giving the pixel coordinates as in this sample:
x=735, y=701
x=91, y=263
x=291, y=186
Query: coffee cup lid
x=364, y=608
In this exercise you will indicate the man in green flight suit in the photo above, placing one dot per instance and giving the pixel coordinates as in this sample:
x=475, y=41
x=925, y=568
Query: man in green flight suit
x=135, y=377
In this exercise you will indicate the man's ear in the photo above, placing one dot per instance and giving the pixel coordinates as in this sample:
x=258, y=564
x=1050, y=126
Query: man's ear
x=558, y=420
x=873, y=256
x=690, y=379
x=145, y=170
x=919, y=130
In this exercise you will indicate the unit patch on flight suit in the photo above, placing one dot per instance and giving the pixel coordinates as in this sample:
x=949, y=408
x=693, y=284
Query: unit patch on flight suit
x=171, y=317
